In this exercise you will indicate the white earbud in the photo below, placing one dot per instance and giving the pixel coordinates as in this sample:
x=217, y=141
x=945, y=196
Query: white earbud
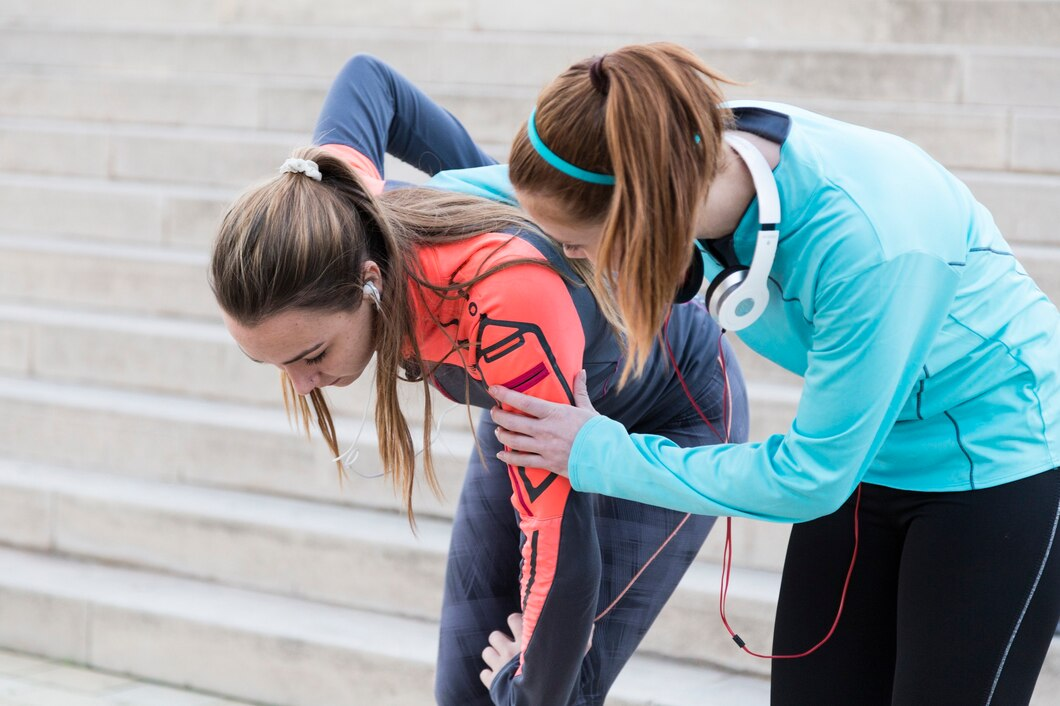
x=372, y=292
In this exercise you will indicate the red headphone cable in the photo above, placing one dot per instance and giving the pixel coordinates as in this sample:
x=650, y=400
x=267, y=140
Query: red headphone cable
x=726, y=568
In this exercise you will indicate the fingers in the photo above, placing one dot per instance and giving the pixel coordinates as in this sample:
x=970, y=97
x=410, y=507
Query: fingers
x=515, y=623
x=519, y=442
x=502, y=649
x=525, y=403
x=499, y=642
x=524, y=460
x=581, y=392
x=512, y=421
x=493, y=661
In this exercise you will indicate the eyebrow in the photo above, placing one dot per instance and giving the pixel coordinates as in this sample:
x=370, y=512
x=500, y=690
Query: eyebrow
x=298, y=357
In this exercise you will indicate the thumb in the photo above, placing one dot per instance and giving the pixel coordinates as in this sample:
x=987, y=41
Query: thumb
x=581, y=392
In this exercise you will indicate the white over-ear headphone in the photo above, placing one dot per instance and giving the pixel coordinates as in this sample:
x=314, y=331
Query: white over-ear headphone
x=739, y=295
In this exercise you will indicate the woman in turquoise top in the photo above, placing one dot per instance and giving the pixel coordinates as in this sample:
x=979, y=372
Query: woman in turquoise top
x=931, y=365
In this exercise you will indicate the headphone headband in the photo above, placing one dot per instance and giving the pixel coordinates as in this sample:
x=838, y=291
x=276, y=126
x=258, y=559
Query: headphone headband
x=762, y=176
x=728, y=298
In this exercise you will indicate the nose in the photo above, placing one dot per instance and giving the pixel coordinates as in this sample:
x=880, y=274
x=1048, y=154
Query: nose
x=304, y=383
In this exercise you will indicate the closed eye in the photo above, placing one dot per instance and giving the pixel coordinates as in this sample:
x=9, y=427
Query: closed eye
x=316, y=359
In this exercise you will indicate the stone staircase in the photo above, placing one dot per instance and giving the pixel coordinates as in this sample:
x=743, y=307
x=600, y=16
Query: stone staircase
x=158, y=514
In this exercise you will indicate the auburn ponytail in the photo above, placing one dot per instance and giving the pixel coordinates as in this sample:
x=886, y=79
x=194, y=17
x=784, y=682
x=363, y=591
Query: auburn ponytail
x=651, y=115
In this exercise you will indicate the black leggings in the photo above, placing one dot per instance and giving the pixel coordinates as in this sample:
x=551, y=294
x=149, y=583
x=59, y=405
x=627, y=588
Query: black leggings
x=954, y=598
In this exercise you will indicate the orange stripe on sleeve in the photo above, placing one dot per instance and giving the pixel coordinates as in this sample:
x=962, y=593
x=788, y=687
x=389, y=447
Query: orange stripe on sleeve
x=364, y=167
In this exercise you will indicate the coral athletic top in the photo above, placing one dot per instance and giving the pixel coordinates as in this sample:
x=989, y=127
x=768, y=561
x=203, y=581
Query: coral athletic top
x=530, y=329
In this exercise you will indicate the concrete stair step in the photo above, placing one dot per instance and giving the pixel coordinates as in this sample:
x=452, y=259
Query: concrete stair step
x=181, y=357
x=30, y=679
x=982, y=23
x=779, y=68
x=152, y=354
x=187, y=216
x=262, y=102
x=103, y=209
x=213, y=444
x=145, y=153
x=199, y=359
x=250, y=448
x=134, y=154
x=1022, y=204
x=238, y=643
x=262, y=647
x=76, y=93
x=142, y=279
x=169, y=356
x=960, y=136
x=155, y=524
x=113, y=277
x=1003, y=23
x=304, y=550
x=280, y=650
x=149, y=153
x=276, y=545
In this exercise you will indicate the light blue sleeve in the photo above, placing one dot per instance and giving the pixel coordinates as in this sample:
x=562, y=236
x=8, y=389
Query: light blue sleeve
x=488, y=182
x=872, y=334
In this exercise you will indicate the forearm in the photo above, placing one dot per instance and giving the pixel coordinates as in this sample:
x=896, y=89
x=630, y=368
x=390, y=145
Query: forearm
x=559, y=602
x=739, y=480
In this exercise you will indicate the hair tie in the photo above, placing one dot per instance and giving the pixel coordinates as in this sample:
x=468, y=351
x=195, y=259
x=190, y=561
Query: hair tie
x=302, y=166
x=598, y=77
x=558, y=162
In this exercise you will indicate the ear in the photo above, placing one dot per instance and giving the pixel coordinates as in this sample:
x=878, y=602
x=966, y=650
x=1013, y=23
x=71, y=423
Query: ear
x=370, y=272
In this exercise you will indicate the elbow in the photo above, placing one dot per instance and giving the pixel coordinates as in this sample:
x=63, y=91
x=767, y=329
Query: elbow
x=819, y=478
x=360, y=66
x=824, y=499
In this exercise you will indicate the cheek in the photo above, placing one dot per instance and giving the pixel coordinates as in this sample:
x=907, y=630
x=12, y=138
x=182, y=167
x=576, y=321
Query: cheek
x=365, y=353
x=360, y=351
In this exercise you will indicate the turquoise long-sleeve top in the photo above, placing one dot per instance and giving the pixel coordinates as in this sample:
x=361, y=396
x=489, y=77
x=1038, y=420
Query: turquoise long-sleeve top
x=931, y=359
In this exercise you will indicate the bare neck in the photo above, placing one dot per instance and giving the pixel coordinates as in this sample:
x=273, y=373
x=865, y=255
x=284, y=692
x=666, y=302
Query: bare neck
x=732, y=190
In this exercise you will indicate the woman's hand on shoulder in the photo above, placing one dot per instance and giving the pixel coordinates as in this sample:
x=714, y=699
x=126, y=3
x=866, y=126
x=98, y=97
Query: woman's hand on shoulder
x=540, y=434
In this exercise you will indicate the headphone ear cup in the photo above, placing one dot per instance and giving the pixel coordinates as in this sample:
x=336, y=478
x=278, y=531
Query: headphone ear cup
x=725, y=281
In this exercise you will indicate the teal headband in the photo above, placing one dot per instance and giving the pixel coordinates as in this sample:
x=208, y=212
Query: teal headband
x=558, y=162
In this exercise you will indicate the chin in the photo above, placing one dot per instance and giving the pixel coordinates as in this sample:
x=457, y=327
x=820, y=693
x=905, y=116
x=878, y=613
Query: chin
x=343, y=382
